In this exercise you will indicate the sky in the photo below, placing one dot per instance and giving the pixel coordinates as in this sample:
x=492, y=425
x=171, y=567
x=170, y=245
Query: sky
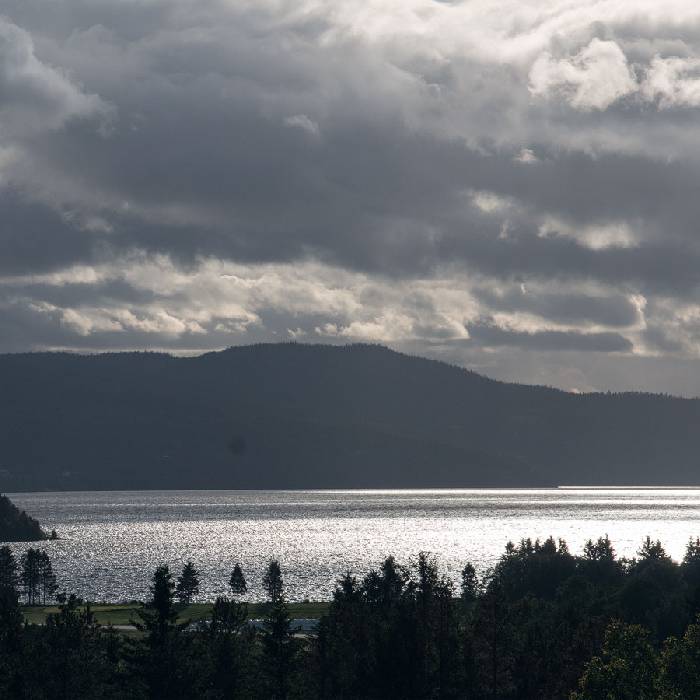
x=508, y=185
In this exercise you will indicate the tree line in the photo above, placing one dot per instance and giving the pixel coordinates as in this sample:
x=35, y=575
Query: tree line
x=543, y=624
x=33, y=579
x=33, y=576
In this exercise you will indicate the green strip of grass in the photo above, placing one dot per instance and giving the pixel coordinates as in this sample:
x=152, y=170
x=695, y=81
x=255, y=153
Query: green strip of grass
x=126, y=614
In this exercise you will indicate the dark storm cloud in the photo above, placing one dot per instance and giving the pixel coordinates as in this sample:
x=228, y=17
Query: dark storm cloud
x=152, y=141
x=490, y=335
x=378, y=198
x=366, y=191
x=23, y=328
x=564, y=308
x=650, y=267
x=35, y=237
x=383, y=200
x=108, y=292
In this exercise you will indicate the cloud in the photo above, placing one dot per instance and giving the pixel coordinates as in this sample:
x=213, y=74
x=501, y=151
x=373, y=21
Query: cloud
x=594, y=78
x=490, y=335
x=232, y=299
x=35, y=95
x=565, y=307
x=192, y=174
x=673, y=81
x=301, y=121
x=526, y=155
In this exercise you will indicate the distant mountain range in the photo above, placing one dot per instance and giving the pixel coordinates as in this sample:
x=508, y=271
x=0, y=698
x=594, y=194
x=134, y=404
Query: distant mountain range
x=314, y=416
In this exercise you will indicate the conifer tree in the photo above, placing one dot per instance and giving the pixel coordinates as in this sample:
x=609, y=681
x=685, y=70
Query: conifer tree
x=10, y=617
x=692, y=551
x=47, y=578
x=11, y=643
x=187, y=584
x=602, y=549
x=9, y=574
x=470, y=584
x=164, y=665
x=230, y=641
x=392, y=580
x=279, y=647
x=237, y=582
x=273, y=580
x=31, y=575
x=690, y=569
x=159, y=614
x=651, y=551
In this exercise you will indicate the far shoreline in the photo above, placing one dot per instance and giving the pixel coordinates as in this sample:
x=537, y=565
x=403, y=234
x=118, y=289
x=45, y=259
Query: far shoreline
x=374, y=490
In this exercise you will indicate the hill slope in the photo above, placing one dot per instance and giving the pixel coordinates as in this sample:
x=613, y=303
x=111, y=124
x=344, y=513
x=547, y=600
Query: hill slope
x=16, y=525
x=301, y=416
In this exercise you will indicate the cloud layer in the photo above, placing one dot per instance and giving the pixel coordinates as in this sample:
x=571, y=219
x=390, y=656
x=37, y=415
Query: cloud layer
x=510, y=186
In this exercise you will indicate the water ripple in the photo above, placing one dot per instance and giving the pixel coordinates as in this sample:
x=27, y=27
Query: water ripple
x=112, y=541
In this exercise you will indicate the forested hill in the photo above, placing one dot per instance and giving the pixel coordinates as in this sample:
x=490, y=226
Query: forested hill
x=16, y=525
x=302, y=416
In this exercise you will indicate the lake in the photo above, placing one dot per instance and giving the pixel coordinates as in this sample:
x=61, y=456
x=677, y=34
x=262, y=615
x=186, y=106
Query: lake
x=112, y=541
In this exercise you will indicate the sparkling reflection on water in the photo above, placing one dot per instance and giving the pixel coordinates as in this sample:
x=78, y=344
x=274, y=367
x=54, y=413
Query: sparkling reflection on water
x=112, y=541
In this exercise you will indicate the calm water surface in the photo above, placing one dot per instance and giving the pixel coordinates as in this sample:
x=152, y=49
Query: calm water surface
x=112, y=541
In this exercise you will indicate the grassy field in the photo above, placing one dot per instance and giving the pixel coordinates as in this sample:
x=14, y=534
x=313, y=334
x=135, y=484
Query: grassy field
x=127, y=613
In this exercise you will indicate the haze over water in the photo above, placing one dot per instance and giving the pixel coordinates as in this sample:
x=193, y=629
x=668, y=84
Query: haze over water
x=111, y=542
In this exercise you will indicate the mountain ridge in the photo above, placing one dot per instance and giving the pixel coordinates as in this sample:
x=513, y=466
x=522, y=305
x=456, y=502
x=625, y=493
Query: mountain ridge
x=291, y=415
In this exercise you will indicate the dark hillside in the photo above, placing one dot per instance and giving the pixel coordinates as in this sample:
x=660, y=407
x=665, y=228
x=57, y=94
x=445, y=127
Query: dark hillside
x=298, y=416
x=16, y=525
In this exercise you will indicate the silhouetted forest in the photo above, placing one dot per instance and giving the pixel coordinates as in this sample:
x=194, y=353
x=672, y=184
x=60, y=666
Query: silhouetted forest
x=16, y=525
x=293, y=416
x=542, y=625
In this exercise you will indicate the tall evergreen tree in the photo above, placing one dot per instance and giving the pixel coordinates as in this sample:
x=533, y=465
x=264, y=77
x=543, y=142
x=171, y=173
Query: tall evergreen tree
x=237, y=582
x=469, y=586
x=11, y=620
x=9, y=573
x=11, y=644
x=690, y=569
x=393, y=579
x=447, y=641
x=165, y=666
x=652, y=551
x=31, y=575
x=599, y=550
x=47, y=578
x=424, y=622
x=229, y=642
x=273, y=580
x=346, y=656
x=187, y=584
x=279, y=647
x=159, y=614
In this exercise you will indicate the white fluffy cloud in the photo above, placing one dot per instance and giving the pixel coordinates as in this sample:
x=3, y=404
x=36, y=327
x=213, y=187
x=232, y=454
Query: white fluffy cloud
x=673, y=81
x=594, y=78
